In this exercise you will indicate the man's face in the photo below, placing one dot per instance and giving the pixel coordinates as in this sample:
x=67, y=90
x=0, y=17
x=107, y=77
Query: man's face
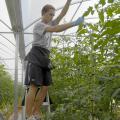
x=49, y=15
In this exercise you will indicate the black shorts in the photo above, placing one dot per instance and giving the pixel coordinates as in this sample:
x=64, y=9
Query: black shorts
x=37, y=75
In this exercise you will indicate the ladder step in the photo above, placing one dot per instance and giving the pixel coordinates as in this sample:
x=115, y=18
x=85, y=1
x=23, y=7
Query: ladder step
x=45, y=104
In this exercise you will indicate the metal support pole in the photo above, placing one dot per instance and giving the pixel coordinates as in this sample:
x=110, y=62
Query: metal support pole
x=48, y=100
x=16, y=78
x=23, y=108
x=26, y=89
x=48, y=107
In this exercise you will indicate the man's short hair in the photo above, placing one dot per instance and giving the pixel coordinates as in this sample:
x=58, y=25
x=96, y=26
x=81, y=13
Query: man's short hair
x=46, y=8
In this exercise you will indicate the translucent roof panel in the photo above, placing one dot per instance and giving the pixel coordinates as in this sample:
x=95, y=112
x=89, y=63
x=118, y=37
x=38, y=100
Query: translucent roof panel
x=4, y=17
x=7, y=41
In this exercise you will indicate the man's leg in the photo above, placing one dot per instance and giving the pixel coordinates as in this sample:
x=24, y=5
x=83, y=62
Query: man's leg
x=30, y=97
x=39, y=99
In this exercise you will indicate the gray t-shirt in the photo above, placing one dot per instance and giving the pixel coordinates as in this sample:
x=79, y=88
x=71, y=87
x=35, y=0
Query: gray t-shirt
x=40, y=37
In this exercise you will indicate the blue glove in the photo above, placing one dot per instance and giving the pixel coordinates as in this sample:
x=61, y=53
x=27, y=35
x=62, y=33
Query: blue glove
x=78, y=21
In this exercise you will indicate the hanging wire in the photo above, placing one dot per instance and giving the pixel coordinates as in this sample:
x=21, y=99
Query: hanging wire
x=7, y=39
x=3, y=62
x=7, y=58
x=6, y=25
x=75, y=13
x=7, y=47
x=4, y=51
x=12, y=69
x=6, y=32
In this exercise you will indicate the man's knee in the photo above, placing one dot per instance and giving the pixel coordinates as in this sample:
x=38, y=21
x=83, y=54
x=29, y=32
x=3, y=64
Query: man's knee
x=45, y=88
x=32, y=89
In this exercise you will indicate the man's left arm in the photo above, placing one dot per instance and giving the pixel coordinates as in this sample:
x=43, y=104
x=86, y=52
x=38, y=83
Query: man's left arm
x=63, y=12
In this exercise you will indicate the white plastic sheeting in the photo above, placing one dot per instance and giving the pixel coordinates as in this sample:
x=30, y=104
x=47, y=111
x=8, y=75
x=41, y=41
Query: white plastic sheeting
x=17, y=18
x=31, y=13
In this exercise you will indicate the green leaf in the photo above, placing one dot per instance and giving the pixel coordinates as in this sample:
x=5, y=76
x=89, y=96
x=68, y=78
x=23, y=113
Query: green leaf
x=111, y=31
x=89, y=10
x=102, y=2
x=112, y=27
x=101, y=16
x=98, y=44
x=113, y=9
x=92, y=12
x=96, y=6
x=80, y=27
x=93, y=27
x=105, y=42
x=110, y=1
x=117, y=11
x=95, y=35
x=112, y=23
x=109, y=12
x=83, y=31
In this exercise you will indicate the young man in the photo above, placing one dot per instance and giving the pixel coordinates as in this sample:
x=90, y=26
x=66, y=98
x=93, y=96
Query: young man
x=38, y=73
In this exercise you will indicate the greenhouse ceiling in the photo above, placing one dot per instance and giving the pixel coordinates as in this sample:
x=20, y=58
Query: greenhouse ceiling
x=19, y=16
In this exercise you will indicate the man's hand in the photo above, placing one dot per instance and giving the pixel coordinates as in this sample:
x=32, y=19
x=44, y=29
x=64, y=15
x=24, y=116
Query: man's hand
x=78, y=21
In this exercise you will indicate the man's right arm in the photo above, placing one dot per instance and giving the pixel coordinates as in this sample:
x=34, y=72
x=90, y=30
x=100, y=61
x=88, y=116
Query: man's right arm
x=60, y=28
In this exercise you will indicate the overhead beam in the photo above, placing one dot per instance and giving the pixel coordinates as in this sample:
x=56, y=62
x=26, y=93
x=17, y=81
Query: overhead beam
x=15, y=15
